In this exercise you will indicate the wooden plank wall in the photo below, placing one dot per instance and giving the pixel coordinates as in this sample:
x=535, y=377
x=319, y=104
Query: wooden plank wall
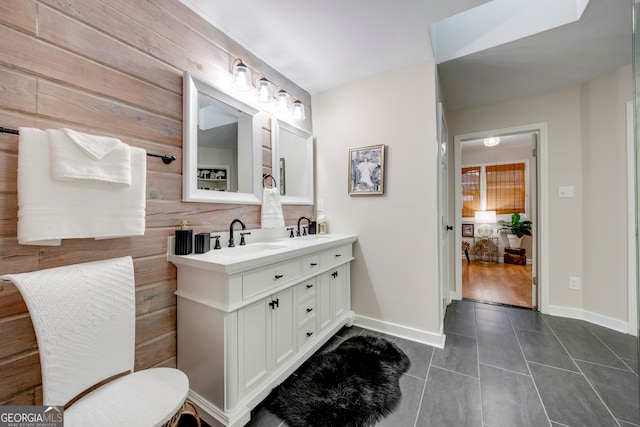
x=110, y=67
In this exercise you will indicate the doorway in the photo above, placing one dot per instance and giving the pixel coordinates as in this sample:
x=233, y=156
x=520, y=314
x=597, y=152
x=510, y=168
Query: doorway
x=495, y=271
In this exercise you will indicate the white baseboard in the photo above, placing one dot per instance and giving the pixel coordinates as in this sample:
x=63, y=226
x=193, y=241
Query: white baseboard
x=577, y=313
x=424, y=337
x=595, y=318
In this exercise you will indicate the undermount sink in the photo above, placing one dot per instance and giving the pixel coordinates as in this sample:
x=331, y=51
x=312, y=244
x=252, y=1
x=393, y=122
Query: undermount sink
x=251, y=249
x=314, y=237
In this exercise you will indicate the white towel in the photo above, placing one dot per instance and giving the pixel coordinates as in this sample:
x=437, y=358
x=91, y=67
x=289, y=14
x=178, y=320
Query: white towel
x=271, y=209
x=76, y=155
x=84, y=319
x=50, y=209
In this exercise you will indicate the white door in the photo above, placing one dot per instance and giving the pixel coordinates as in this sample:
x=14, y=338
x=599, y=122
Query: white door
x=444, y=234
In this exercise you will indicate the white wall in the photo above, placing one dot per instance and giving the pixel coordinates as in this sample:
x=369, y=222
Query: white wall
x=605, y=193
x=395, y=274
x=586, y=149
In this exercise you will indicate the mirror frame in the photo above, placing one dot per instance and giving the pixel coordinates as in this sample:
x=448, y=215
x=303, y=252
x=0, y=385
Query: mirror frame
x=190, y=192
x=277, y=125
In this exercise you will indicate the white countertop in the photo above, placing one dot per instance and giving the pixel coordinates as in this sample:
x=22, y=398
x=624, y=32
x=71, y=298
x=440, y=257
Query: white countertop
x=257, y=254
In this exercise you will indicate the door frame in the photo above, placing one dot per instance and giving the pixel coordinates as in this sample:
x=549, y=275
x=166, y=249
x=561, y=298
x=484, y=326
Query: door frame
x=443, y=213
x=632, y=303
x=542, y=203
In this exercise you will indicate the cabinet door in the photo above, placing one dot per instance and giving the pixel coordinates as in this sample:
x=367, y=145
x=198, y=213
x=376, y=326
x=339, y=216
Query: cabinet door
x=284, y=326
x=325, y=305
x=254, y=327
x=339, y=285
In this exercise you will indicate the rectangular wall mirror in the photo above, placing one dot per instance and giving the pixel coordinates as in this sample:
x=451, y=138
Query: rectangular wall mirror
x=221, y=146
x=293, y=163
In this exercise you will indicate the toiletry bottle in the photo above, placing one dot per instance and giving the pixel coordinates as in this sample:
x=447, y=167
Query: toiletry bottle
x=184, y=239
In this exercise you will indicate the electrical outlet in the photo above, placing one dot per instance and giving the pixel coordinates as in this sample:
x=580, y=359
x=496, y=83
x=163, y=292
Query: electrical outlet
x=574, y=283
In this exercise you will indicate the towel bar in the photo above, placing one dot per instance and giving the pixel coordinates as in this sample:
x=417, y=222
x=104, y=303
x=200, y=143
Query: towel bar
x=166, y=158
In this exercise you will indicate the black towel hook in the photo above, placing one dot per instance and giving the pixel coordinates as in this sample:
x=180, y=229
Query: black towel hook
x=265, y=176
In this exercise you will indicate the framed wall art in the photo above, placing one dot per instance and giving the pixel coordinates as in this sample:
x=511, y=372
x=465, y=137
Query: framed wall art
x=366, y=170
x=467, y=230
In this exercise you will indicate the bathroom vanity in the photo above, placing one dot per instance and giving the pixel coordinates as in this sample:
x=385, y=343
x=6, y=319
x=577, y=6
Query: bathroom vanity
x=249, y=316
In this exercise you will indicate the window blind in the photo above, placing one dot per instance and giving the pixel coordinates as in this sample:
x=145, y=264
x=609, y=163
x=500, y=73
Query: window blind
x=506, y=188
x=470, y=191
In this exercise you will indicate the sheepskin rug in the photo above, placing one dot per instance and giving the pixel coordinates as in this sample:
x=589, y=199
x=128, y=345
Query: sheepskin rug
x=354, y=385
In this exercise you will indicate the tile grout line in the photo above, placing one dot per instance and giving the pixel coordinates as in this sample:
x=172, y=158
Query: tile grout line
x=609, y=348
x=581, y=372
x=524, y=357
x=424, y=389
x=475, y=323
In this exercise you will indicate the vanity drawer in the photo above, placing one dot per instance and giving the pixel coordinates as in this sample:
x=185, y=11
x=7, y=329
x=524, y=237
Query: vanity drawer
x=263, y=280
x=308, y=287
x=307, y=308
x=307, y=331
x=310, y=264
x=335, y=255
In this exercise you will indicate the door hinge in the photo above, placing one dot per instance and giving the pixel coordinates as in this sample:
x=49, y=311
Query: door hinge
x=535, y=281
x=534, y=152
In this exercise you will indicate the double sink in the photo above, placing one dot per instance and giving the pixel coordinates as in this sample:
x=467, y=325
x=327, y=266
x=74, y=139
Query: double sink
x=255, y=254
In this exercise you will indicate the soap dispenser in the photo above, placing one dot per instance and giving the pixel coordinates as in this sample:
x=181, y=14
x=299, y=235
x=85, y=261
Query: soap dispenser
x=184, y=239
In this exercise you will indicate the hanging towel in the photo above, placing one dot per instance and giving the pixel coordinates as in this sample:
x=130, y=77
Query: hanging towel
x=271, y=209
x=76, y=155
x=51, y=209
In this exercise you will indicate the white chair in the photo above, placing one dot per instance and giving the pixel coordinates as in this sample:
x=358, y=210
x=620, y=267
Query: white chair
x=84, y=319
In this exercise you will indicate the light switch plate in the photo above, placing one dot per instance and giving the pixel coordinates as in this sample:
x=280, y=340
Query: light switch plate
x=565, y=191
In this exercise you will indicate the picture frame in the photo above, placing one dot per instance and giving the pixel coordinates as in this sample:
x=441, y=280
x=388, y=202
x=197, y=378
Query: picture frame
x=366, y=170
x=467, y=230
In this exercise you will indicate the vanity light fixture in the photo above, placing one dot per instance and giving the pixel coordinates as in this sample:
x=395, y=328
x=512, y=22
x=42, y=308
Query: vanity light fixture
x=491, y=142
x=241, y=76
x=263, y=89
x=298, y=110
x=283, y=101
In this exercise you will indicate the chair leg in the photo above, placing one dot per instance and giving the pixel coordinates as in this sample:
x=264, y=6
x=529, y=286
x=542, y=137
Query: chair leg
x=187, y=408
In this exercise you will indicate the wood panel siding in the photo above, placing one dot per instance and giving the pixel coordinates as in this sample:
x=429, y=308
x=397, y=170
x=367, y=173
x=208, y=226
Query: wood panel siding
x=110, y=67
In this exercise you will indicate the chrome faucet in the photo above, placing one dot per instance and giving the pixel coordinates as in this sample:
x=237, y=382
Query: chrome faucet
x=231, y=242
x=305, y=231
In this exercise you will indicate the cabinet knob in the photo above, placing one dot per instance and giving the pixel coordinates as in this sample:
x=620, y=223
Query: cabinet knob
x=338, y=255
x=309, y=334
x=313, y=264
x=279, y=276
x=309, y=286
x=309, y=310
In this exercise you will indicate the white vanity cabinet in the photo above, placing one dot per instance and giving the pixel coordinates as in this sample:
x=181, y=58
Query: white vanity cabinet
x=247, y=318
x=266, y=337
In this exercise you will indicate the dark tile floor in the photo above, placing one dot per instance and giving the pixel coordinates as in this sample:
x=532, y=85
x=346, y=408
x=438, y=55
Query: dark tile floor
x=505, y=366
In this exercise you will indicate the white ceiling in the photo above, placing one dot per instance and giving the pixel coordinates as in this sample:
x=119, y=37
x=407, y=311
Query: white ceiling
x=321, y=45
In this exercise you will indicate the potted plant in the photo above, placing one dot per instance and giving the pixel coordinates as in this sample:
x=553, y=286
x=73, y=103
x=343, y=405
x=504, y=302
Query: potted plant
x=517, y=229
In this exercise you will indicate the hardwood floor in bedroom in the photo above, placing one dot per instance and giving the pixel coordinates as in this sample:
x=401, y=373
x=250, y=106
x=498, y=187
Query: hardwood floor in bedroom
x=499, y=283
